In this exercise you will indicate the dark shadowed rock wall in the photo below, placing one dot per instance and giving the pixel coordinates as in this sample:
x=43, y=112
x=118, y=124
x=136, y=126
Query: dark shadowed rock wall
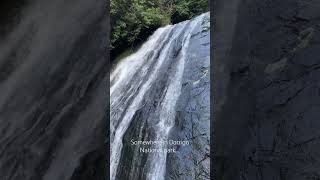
x=10, y=12
x=53, y=86
x=266, y=72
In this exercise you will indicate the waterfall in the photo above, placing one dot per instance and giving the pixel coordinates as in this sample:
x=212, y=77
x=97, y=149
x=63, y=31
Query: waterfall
x=155, y=70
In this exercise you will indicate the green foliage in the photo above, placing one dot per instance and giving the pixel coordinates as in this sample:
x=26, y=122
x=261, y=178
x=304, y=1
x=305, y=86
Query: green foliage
x=134, y=20
x=187, y=9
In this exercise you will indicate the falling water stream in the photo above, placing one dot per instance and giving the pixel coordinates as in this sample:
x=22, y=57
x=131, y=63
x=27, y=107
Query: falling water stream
x=164, y=54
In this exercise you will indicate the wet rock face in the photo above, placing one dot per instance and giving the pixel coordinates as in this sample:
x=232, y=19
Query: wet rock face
x=53, y=76
x=193, y=112
x=266, y=120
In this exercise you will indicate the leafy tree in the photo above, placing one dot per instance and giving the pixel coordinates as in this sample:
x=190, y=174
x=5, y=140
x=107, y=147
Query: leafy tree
x=186, y=9
x=132, y=21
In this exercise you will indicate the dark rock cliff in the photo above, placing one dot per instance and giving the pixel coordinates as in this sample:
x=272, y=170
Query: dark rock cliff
x=266, y=74
x=53, y=79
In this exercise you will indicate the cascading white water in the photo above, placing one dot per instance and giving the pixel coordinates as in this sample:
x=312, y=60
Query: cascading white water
x=134, y=76
x=167, y=112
